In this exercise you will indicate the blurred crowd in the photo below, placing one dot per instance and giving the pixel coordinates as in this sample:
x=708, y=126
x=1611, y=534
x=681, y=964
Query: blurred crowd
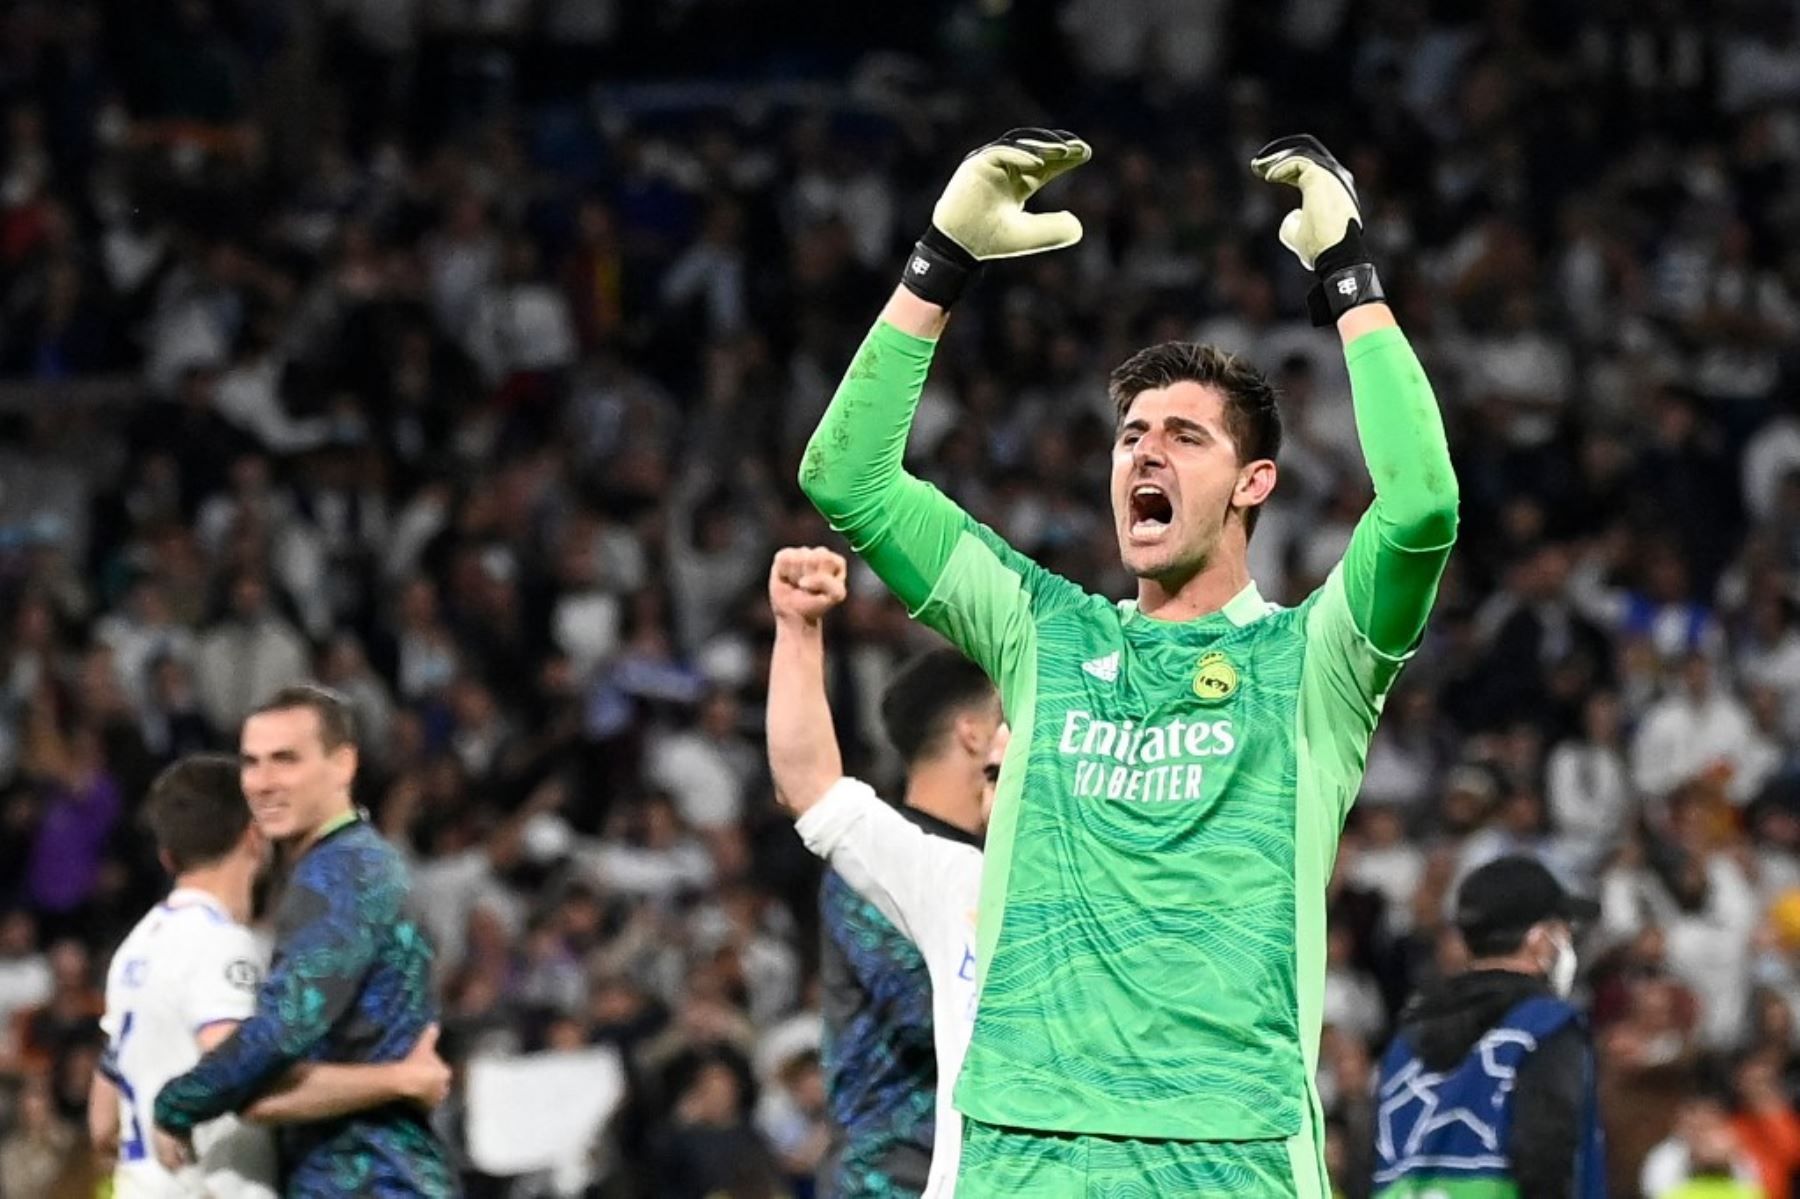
x=460, y=355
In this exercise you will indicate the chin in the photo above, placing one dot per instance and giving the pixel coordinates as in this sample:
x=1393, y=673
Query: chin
x=1146, y=561
x=276, y=830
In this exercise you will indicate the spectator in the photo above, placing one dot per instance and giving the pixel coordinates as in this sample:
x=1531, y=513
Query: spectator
x=248, y=656
x=25, y=979
x=1765, y=1123
x=68, y=1019
x=1386, y=862
x=1589, y=790
x=1700, y=733
x=43, y=1150
x=1703, y=1157
x=81, y=806
x=710, y=1148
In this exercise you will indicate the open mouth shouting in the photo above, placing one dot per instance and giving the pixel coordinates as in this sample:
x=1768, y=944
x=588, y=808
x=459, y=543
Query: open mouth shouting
x=1152, y=512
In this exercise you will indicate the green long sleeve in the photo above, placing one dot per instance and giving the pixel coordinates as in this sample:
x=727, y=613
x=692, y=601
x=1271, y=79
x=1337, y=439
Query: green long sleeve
x=1398, y=552
x=852, y=471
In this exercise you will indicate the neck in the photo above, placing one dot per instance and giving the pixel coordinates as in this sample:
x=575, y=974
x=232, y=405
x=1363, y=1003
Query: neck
x=1199, y=594
x=337, y=818
x=948, y=790
x=229, y=881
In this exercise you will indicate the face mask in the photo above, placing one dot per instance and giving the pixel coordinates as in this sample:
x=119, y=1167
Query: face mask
x=1562, y=971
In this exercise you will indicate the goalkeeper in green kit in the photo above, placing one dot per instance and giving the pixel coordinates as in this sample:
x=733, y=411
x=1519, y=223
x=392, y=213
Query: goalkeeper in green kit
x=1151, y=938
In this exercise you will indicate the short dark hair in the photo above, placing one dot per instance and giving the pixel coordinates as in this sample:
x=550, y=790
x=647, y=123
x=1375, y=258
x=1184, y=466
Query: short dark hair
x=926, y=696
x=337, y=718
x=1251, y=414
x=196, y=811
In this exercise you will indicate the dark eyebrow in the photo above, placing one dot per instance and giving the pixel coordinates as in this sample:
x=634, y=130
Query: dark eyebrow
x=1178, y=424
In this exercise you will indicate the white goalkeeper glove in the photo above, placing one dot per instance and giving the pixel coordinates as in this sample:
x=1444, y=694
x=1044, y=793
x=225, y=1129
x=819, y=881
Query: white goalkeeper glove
x=981, y=215
x=1325, y=232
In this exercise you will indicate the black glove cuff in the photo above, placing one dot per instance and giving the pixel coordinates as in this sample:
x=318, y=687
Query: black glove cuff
x=938, y=270
x=1345, y=278
x=1337, y=293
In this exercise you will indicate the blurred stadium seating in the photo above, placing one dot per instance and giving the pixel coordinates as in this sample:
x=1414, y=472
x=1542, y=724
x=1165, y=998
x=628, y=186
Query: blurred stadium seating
x=460, y=354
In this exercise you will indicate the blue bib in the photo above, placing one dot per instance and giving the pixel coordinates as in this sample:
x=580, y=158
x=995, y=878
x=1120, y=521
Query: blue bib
x=1446, y=1133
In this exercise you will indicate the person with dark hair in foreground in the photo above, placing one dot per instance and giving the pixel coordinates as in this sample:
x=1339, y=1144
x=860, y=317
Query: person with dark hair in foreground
x=942, y=715
x=184, y=979
x=1489, y=1087
x=927, y=885
x=350, y=979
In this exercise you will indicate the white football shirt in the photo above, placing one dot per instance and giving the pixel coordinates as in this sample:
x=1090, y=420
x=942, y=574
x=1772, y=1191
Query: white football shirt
x=186, y=965
x=928, y=886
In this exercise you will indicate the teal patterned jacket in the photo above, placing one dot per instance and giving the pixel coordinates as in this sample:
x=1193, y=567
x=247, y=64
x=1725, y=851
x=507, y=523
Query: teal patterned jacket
x=350, y=983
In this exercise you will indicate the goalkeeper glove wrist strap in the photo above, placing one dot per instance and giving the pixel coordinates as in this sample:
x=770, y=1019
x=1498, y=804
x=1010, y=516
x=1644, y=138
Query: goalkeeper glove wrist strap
x=1345, y=279
x=1337, y=293
x=938, y=270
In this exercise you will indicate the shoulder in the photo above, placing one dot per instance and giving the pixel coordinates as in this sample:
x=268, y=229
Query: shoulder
x=354, y=870
x=358, y=853
x=1545, y=1017
x=229, y=947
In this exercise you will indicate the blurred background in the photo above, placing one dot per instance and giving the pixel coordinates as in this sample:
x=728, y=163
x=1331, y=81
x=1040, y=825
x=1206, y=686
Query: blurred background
x=459, y=353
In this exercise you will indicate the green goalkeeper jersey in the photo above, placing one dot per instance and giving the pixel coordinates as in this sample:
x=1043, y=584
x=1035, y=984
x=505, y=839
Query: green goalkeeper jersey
x=1151, y=937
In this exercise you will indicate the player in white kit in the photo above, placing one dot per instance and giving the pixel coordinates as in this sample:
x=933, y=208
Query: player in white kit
x=180, y=983
x=927, y=885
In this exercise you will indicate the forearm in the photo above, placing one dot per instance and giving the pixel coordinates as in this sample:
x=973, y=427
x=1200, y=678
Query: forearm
x=803, y=748
x=1401, y=431
x=318, y=1091
x=853, y=469
x=103, y=1114
x=857, y=452
x=226, y=1080
x=1398, y=553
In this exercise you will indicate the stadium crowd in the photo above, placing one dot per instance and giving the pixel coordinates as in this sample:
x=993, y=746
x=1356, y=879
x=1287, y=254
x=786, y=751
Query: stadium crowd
x=460, y=355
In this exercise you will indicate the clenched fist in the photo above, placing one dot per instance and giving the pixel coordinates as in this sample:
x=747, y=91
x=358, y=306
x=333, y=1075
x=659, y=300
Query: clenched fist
x=806, y=582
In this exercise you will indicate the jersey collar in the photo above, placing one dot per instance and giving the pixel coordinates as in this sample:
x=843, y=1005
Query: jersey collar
x=334, y=826
x=1246, y=607
x=940, y=828
x=193, y=897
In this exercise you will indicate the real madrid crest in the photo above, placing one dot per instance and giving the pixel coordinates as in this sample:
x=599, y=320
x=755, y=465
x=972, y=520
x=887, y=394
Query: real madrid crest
x=1215, y=679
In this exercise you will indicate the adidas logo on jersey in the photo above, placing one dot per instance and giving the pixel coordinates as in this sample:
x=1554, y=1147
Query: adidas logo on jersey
x=1105, y=669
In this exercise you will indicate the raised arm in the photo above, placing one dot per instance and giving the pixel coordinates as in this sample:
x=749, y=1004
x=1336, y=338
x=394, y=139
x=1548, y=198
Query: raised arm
x=1397, y=555
x=906, y=873
x=804, y=584
x=1391, y=570
x=852, y=471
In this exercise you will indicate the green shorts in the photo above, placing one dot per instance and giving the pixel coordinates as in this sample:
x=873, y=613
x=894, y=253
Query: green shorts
x=1064, y=1165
